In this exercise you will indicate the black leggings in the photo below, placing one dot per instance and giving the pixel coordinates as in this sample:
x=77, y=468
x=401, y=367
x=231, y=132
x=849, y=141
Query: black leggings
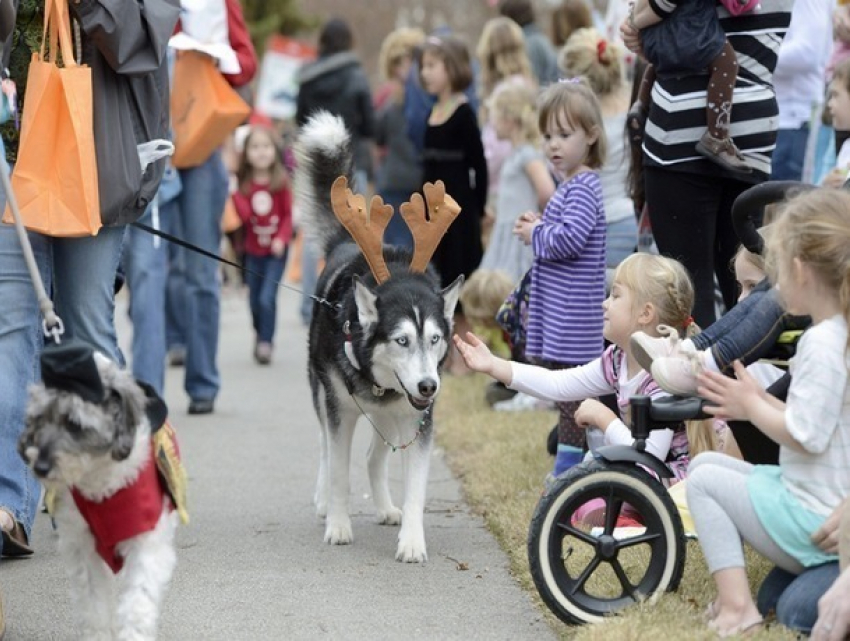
x=691, y=222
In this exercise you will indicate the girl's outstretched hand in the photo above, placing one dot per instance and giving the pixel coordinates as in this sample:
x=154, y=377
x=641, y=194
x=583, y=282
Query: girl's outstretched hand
x=731, y=398
x=476, y=354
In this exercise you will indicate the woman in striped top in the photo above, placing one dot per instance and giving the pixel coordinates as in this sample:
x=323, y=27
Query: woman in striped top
x=568, y=241
x=689, y=198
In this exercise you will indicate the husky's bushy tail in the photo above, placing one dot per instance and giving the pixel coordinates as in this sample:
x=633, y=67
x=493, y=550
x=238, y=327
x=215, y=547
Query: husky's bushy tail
x=324, y=152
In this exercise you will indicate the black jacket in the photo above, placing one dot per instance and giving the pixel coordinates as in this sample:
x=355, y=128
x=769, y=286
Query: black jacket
x=338, y=84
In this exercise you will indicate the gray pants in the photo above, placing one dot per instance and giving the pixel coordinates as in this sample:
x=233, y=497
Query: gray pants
x=724, y=515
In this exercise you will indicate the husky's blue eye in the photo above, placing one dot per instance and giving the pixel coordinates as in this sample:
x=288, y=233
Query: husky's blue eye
x=435, y=339
x=402, y=340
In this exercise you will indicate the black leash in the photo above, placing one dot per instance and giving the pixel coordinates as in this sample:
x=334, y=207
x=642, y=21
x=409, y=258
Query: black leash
x=209, y=254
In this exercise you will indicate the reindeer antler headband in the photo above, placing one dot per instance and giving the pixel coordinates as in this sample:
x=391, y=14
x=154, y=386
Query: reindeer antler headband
x=367, y=227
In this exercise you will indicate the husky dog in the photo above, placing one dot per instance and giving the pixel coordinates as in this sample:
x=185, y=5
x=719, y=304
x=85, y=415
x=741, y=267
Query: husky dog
x=88, y=438
x=375, y=349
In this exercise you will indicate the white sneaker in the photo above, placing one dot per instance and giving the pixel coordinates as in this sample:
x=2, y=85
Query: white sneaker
x=678, y=374
x=646, y=348
x=522, y=402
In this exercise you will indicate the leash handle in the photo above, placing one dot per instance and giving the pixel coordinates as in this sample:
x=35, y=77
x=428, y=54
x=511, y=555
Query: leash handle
x=52, y=325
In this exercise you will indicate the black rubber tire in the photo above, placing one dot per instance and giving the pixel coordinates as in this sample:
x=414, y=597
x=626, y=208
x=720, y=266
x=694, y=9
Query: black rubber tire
x=551, y=531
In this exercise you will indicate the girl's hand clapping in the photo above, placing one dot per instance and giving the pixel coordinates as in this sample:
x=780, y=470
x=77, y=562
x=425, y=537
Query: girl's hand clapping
x=524, y=226
x=731, y=398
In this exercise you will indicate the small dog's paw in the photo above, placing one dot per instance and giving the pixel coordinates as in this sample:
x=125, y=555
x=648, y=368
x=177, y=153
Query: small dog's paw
x=411, y=548
x=339, y=533
x=392, y=516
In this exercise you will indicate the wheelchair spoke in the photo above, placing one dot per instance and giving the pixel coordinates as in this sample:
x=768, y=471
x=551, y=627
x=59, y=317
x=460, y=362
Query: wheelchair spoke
x=581, y=536
x=646, y=537
x=628, y=588
x=585, y=575
x=613, y=505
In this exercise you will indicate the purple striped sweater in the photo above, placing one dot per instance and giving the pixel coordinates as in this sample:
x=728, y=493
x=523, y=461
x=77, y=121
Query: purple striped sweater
x=568, y=274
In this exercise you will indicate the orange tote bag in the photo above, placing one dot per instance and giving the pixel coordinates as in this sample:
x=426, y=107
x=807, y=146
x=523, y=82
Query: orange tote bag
x=55, y=176
x=204, y=109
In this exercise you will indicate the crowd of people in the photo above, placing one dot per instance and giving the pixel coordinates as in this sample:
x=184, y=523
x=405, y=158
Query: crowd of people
x=555, y=148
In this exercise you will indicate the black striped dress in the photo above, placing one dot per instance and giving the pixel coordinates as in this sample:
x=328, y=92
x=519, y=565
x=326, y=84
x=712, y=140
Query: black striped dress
x=677, y=114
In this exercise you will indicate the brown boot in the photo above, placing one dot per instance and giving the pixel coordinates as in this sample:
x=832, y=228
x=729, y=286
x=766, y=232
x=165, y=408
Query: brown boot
x=723, y=152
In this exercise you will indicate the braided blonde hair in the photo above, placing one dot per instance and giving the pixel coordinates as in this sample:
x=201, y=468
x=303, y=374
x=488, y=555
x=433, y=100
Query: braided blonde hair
x=665, y=283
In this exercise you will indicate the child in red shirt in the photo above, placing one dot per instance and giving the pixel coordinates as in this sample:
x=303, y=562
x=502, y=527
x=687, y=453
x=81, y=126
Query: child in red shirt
x=263, y=201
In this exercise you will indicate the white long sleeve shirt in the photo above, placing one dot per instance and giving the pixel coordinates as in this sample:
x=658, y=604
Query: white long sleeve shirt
x=799, y=78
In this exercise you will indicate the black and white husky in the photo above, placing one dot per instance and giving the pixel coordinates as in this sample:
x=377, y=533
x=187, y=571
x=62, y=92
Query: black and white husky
x=374, y=350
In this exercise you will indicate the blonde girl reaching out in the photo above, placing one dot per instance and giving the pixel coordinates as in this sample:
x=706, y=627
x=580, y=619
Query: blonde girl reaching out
x=527, y=183
x=808, y=250
x=647, y=290
x=568, y=242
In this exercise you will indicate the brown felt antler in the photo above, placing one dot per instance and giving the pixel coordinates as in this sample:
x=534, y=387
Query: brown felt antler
x=428, y=229
x=366, y=227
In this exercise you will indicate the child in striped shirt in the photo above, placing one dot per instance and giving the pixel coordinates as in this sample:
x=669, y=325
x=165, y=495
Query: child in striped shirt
x=777, y=508
x=568, y=242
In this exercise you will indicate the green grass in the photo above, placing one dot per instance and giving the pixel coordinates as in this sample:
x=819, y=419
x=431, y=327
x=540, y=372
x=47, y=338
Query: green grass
x=501, y=460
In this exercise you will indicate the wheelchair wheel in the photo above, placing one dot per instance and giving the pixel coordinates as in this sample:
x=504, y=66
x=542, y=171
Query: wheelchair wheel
x=583, y=572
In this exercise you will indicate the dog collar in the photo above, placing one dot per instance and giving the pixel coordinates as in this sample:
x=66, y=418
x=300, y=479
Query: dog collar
x=377, y=390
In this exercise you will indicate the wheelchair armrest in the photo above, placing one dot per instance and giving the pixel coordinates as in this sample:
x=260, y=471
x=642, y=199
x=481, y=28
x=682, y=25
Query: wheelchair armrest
x=674, y=409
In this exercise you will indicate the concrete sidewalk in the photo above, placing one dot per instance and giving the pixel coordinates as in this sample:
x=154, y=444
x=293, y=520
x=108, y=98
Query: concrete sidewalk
x=252, y=564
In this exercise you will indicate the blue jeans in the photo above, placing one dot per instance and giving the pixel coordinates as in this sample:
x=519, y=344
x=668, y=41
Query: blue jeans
x=145, y=262
x=263, y=273
x=397, y=232
x=84, y=287
x=825, y=153
x=621, y=241
x=790, y=153
x=81, y=273
x=20, y=346
x=794, y=598
x=194, y=287
x=748, y=331
x=309, y=277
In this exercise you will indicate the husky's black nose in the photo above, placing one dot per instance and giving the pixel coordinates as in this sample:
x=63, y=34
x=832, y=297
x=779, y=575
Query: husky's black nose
x=427, y=387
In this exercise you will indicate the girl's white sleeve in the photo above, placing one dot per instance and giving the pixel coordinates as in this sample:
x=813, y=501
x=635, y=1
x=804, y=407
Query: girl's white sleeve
x=574, y=384
x=657, y=444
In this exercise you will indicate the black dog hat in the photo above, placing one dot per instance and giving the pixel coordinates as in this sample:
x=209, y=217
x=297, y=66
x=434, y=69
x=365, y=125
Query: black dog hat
x=70, y=367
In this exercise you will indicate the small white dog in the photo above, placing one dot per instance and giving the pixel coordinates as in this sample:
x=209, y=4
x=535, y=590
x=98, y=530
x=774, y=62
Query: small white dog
x=88, y=438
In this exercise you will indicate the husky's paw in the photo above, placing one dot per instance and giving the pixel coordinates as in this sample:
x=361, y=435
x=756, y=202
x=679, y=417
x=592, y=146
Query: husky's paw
x=411, y=548
x=339, y=533
x=392, y=516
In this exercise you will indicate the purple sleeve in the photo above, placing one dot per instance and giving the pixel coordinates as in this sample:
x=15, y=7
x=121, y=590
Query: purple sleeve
x=567, y=223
